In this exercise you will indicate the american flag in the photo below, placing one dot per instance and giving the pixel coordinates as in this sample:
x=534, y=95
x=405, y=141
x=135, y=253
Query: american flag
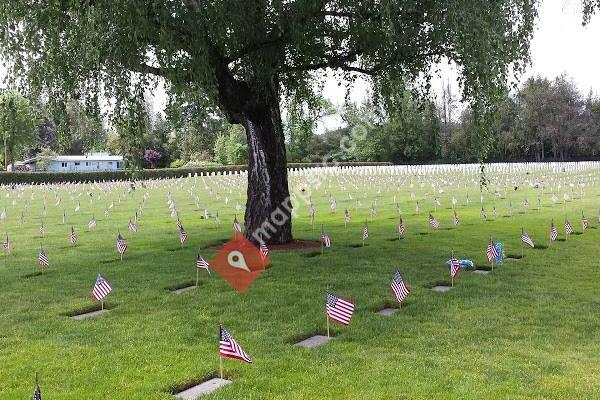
x=92, y=223
x=373, y=212
x=454, y=267
x=201, y=263
x=568, y=228
x=121, y=245
x=526, y=203
x=37, y=392
x=433, y=222
x=399, y=288
x=101, y=288
x=553, y=232
x=526, y=239
x=42, y=229
x=346, y=216
x=339, y=309
x=365, y=232
x=132, y=226
x=264, y=250
x=326, y=239
x=228, y=347
x=236, y=225
x=584, y=222
x=217, y=218
x=106, y=212
x=6, y=244
x=491, y=252
x=483, y=214
x=417, y=207
x=43, y=258
x=401, y=227
x=182, y=234
x=73, y=237
x=455, y=219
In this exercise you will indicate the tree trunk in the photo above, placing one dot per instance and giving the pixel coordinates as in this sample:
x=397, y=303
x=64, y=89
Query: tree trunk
x=268, y=207
x=255, y=105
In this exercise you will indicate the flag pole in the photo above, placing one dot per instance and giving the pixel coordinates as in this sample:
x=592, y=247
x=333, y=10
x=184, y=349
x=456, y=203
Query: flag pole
x=197, y=276
x=221, y=366
x=522, y=244
x=327, y=315
x=492, y=260
x=451, y=276
x=322, y=244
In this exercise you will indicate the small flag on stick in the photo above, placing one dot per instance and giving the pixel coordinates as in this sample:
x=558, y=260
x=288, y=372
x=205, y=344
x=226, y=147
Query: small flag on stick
x=338, y=309
x=229, y=348
x=399, y=288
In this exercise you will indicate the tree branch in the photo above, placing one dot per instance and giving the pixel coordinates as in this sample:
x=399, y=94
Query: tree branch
x=340, y=62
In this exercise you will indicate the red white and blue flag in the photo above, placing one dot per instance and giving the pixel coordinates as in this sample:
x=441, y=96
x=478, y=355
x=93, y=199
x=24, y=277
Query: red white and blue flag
x=433, y=222
x=264, y=250
x=201, y=263
x=455, y=219
x=101, y=288
x=73, y=237
x=454, y=267
x=338, y=309
x=236, y=225
x=326, y=239
x=121, y=245
x=568, y=228
x=399, y=288
x=182, y=234
x=43, y=258
x=491, y=252
x=6, y=245
x=526, y=239
x=553, y=232
x=229, y=348
x=401, y=227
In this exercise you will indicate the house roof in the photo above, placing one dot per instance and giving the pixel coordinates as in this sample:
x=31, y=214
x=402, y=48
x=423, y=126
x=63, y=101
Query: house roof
x=88, y=157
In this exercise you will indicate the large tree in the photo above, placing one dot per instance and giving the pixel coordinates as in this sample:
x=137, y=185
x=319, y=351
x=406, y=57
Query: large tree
x=17, y=125
x=245, y=56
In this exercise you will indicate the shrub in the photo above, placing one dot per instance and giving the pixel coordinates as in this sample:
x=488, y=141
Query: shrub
x=52, y=177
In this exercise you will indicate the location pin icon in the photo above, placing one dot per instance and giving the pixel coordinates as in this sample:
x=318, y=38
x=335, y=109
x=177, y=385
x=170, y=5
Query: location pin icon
x=236, y=260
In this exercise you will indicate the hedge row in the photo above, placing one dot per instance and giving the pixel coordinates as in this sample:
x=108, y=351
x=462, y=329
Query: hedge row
x=50, y=177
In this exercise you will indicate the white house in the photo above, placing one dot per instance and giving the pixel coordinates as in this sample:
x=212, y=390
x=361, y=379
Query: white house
x=86, y=163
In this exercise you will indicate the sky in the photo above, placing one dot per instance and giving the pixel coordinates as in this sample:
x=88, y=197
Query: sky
x=560, y=45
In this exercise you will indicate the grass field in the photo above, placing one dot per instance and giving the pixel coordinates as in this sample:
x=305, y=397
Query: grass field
x=530, y=330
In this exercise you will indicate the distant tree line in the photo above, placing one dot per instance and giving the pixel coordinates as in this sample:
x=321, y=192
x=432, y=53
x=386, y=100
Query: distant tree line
x=544, y=120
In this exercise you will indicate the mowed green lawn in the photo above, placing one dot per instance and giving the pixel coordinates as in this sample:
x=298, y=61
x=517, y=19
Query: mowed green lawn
x=530, y=330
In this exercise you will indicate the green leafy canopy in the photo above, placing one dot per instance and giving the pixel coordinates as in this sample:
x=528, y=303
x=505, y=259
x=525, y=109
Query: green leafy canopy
x=206, y=49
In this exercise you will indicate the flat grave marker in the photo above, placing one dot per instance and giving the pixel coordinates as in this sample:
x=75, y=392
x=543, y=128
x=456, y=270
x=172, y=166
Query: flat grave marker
x=388, y=312
x=313, y=341
x=203, y=389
